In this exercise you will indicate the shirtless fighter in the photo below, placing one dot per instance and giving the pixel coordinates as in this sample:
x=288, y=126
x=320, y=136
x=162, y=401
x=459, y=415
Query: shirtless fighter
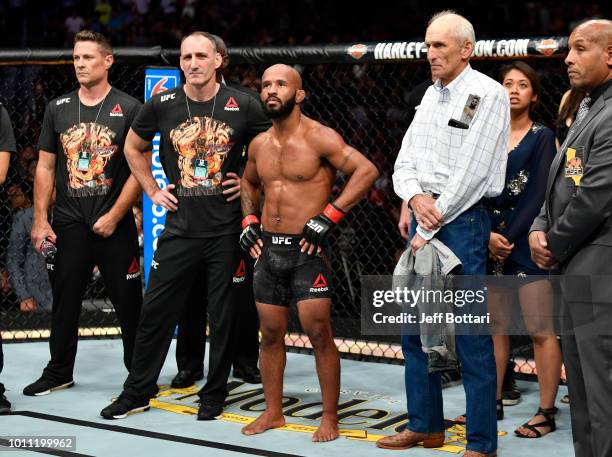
x=294, y=163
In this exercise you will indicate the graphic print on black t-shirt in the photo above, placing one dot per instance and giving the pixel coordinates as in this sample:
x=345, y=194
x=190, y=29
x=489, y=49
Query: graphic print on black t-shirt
x=88, y=147
x=91, y=168
x=202, y=145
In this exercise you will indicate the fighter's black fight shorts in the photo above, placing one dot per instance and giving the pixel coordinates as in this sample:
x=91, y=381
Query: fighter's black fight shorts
x=283, y=274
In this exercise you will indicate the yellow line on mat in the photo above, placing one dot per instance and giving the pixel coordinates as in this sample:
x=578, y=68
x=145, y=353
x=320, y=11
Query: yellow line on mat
x=360, y=435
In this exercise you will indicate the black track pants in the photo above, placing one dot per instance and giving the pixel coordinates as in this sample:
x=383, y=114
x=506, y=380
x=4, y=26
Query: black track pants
x=181, y=266
x=191, y=338
x=78, y=251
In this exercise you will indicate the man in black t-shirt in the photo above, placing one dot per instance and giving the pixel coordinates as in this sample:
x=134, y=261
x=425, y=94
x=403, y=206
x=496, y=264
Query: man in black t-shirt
x=7, y=145
x=191, y=338
x=205, y=128
x=81, y=155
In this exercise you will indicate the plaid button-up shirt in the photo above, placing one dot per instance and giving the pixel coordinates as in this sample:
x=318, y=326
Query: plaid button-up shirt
x=462, y=165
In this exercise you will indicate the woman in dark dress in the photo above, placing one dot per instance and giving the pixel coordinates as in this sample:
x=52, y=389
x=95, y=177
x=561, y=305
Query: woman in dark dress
x=531, y=151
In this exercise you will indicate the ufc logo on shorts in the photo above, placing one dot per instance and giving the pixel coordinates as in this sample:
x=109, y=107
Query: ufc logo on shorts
x=167, y=97
x=281, y=240
x=316, y=227
x=154, y=264
x=62, y=101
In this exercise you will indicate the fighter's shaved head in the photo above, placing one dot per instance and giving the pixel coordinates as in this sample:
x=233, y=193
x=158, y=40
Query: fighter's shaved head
x=281, y=91
x=597, y=30
x=286, y=72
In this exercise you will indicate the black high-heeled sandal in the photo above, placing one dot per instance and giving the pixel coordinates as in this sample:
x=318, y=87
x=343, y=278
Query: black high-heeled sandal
x=461, y=420
x=549, y=414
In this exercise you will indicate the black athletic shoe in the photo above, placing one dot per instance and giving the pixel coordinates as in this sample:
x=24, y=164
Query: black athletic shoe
x=510, y=394
x=186, y=378
x=5, y=405
x=122, y=407
x=209, y=410
x=45, y=387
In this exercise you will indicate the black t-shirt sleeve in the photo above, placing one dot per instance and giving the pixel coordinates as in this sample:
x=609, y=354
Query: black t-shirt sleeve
x=135, y=109
x=145, y=122
x=258, y=121
x=7, y=138
x=47, y=141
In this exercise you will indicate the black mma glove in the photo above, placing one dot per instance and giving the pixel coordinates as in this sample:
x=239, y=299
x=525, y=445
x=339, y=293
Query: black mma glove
x=316, y=229
x=251, y=232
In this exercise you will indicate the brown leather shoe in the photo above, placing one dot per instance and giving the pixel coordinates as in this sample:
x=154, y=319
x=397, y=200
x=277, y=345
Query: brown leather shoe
x=478, y=454
x=408, y=439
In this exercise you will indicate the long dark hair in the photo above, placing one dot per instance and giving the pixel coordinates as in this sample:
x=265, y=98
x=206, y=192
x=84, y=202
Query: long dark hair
x=569, y=107
x=531, y=75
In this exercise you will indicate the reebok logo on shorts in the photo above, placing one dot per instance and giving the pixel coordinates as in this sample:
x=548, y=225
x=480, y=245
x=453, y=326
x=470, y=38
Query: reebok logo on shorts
x=240, y=273
x=319, y=284
x=117, y=111
x=231, y=105
x=134, y=270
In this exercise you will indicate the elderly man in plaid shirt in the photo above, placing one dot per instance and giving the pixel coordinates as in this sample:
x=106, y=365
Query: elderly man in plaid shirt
x=453, y=155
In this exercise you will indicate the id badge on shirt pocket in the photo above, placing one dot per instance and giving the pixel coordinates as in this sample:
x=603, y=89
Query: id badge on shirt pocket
x=469, y=110
x=467, y=114
x=574, y=164
x=84, y=158
x=200, y=168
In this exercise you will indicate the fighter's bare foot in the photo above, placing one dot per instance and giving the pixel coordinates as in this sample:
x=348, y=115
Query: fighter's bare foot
x=264, y=422
x=327, y=431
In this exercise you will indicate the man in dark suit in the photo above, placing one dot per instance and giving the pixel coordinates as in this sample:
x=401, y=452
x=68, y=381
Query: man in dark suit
x=191, y=340
x=573, y=233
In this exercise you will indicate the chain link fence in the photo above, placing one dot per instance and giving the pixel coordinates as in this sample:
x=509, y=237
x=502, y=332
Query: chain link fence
x=365, y=102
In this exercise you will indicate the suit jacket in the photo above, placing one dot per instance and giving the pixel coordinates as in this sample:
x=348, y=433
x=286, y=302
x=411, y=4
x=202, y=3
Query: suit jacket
x=580, y=229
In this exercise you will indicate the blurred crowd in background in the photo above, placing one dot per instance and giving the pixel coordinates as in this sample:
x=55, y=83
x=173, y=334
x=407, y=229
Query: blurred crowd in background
x=28, y=23
x=368, y=103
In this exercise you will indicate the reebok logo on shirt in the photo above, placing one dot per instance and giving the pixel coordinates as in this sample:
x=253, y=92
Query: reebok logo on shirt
x=117, y=111
x=231, y=105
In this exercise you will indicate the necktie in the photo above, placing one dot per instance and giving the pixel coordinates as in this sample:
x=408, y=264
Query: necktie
x=583, y=110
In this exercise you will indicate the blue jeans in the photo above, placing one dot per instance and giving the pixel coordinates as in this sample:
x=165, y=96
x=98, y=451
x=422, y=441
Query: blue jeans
x=468, y=237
